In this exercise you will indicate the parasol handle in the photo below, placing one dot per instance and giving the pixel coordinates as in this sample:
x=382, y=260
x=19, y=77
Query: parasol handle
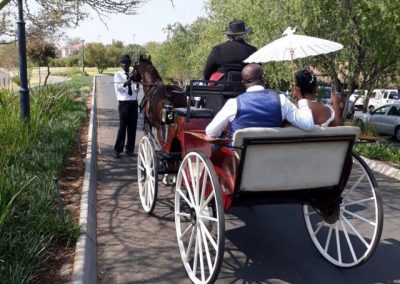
x=292, y=55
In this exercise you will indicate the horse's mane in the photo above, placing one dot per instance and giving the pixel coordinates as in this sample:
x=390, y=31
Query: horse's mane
x=155, y=75
x=153, y=71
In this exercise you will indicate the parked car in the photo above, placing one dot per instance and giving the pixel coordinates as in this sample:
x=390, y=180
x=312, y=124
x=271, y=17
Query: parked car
x=386, y=119
x=381, y=97
x=324, y=95
x=358, y=98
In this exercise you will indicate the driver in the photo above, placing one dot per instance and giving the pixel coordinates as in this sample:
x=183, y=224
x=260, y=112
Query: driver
x=229, y=56
x=259, y=107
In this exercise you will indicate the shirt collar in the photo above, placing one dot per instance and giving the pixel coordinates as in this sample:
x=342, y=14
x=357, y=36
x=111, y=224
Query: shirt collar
x=255, y=88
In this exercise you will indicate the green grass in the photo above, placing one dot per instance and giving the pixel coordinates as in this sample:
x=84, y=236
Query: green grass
x=32, y=153
x=379, y=151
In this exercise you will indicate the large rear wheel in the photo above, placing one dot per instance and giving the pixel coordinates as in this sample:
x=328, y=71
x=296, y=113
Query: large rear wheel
x=199, y=218
x=353, y=238
x=147, y=172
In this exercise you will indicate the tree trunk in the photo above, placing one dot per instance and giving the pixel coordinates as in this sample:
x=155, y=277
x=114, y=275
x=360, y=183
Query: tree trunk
x=47, y=76
x=40, y=78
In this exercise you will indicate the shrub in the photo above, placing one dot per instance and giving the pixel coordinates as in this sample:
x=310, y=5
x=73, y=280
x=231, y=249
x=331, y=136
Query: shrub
x=33, y=153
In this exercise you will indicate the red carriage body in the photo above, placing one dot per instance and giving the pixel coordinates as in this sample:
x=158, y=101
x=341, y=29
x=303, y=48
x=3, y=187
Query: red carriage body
x=212, y=175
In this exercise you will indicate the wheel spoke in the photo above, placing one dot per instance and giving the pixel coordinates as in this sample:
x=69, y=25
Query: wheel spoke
x=189, y=247
x=207, y=201
x=199, y=240
x=196, y=248
x=206, y=250
x=182, y=214
x=142, y=159
x=310, y=213
x=210, y=238
x=354, y=186
x=318, y=227
x=339, y=251
x=348, y=239
x=355, y=231
x=197, y=182
x=328, y=239
x=145, y=189
x=358, y=202
x=359, y=217
x=208, y=218
x=151, y=195
x=188, y=189
x=183, y=196
x=192, y=179
x=203, y=186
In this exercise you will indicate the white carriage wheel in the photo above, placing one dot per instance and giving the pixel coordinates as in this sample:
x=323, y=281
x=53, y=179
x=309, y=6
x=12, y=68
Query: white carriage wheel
x=199, y=218
x=353, y=238
x=147, y=172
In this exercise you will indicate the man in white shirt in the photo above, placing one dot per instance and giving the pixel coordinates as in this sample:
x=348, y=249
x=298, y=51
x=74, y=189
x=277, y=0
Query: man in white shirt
x=259, y=107
x=126, y=94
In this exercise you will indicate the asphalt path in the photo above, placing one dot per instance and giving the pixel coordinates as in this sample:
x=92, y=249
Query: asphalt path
x=264, y=244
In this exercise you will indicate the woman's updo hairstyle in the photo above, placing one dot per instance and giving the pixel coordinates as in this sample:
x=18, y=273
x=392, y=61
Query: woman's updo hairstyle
x=306, y=81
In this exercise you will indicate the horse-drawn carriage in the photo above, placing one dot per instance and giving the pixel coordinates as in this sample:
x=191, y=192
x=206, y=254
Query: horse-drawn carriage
x=341, y=203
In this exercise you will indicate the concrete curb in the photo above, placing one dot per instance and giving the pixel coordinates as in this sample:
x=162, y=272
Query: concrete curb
x=383, y=168
x=85, y=268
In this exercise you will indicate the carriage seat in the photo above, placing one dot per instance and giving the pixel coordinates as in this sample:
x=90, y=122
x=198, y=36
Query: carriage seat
x=280, y=159
x=196, y=112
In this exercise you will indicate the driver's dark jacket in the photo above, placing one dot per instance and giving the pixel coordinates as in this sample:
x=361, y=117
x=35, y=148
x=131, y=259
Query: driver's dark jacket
x=227, y=56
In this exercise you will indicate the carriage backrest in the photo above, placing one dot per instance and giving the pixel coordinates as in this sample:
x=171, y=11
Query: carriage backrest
x=278, y=159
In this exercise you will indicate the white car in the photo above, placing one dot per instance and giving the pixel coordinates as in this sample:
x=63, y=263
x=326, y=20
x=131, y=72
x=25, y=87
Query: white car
x=386, y=119
x=324, y=95
x=381, y=97
x=358, y=97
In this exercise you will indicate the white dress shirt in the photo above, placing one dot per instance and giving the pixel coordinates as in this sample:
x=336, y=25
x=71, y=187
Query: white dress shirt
x=122, y=92
x=300, y=117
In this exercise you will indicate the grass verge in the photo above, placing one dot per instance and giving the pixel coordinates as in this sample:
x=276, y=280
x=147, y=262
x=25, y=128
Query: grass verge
x=32, y=154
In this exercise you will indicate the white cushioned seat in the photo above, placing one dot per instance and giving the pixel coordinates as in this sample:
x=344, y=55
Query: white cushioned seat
x=297, y=165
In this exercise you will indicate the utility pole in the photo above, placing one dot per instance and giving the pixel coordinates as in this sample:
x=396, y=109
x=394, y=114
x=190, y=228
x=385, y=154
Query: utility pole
x=83, y=55
x=23, y=87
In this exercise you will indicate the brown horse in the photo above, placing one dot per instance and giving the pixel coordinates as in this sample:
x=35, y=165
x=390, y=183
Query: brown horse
x=157, y=94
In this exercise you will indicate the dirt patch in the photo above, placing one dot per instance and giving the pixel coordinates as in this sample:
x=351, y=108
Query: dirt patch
x=58, y=268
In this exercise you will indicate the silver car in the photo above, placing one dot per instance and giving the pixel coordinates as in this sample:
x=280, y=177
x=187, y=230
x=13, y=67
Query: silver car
x=385, y=118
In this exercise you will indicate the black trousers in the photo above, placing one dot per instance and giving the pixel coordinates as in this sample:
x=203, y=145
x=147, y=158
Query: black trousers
x=128, y=114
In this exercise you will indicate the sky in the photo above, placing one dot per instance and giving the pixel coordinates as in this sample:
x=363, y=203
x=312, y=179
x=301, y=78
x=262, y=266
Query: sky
x=146, y=26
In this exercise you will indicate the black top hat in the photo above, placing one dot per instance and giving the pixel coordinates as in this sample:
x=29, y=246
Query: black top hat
x=125, y=58
x=237, y=28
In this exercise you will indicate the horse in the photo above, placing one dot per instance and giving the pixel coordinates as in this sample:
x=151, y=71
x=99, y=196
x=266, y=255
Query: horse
x=157, y=95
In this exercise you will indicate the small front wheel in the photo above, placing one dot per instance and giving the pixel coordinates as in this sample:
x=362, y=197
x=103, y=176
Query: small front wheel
x=199, y=218
x=147, y=172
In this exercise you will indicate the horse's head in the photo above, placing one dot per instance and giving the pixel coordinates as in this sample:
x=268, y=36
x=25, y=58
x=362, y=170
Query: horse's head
x=147, y=70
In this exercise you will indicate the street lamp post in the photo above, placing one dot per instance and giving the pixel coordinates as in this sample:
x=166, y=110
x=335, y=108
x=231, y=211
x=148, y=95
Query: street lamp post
x=23, y=89
x=83, y=55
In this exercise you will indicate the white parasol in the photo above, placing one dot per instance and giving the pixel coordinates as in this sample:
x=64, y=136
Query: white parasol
x=292, y=46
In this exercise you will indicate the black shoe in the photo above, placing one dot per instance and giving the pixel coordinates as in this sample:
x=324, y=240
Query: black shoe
x=129, y=153
x=117, y=155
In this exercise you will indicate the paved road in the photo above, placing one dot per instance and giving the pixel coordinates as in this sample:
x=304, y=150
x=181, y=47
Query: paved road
x=264, y=244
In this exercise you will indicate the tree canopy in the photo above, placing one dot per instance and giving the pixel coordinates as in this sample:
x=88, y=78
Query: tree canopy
x=368, y=29
x=51, y=16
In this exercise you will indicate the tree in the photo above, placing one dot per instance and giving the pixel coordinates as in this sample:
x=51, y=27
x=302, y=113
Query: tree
x=114, y=51
x=40, y=52
x=50, y=15
x=368, y=29
x=96, y=55
x=134, y=51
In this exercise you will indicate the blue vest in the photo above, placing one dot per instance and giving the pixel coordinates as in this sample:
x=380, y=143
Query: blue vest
x=257, y=109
